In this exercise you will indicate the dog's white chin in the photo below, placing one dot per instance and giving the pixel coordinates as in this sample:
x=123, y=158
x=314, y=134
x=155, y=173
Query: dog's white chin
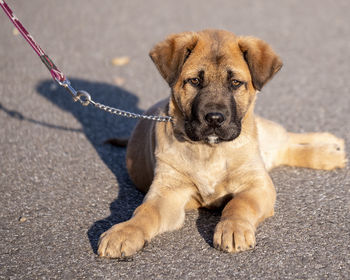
x=212, y=139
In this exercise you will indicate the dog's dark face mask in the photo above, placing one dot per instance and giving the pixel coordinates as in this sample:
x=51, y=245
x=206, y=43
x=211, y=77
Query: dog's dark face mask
x=214, y=77
x=213, y=116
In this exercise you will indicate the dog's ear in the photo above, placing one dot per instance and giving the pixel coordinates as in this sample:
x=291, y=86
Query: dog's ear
x=262, y=61
x=170, y=54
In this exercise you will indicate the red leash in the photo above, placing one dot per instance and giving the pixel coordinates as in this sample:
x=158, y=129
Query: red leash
x=82, y=96
x=56, y=74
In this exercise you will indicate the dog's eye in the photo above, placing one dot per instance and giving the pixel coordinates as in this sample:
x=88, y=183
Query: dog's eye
x=194, y=81
x=236, y=84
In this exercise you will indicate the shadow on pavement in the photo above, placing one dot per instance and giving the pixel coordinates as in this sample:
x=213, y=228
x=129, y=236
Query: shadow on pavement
x=206, y=222
x=19, y=116
x=99, y=126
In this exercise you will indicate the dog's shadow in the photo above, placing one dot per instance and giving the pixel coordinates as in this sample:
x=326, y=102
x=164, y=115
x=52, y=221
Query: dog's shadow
x=99, y=126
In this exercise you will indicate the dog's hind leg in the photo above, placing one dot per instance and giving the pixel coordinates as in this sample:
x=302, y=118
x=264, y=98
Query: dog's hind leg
x=313, y=150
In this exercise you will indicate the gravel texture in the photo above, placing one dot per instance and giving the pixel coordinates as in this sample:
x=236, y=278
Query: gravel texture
x=61, y=187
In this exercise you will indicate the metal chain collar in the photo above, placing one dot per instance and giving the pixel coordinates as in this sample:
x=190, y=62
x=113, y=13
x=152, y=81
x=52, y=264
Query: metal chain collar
x=127, y=114
x=82, y=96
x=85, y=99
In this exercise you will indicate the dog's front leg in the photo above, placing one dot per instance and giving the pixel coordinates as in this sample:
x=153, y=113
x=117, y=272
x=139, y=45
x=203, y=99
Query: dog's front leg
x=236, y=230
x=162, y=210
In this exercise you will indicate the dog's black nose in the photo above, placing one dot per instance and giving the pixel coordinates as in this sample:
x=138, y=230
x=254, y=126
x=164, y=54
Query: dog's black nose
x=214, y=119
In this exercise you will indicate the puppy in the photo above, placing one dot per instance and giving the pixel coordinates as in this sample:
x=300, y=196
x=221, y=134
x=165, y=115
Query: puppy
x=215, y=152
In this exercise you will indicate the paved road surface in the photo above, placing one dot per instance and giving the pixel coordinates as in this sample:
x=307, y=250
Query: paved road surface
x=61, y=187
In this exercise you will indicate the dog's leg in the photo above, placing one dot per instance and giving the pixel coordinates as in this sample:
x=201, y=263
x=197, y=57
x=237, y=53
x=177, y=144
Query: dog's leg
x=236, y=230
x=314, y=150
x=162, y=210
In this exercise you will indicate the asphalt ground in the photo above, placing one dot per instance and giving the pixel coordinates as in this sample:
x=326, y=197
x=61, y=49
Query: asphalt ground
x=61, y=187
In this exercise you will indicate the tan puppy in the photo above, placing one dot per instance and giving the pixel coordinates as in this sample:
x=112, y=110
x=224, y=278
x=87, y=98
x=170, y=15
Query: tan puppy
x=216, y=152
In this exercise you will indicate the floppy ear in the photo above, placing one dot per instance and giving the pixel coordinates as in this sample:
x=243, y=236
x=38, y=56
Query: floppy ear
x=170, y=55
x=262, y=61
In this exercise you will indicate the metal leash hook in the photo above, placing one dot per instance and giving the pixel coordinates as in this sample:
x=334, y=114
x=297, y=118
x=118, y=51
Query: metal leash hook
x=81, y=95
x=84, y=97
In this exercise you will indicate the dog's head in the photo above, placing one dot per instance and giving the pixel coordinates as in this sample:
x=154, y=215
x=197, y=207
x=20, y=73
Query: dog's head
x=214, y=76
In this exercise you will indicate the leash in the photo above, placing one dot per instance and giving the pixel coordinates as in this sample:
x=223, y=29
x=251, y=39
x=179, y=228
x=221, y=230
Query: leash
x=78, y=95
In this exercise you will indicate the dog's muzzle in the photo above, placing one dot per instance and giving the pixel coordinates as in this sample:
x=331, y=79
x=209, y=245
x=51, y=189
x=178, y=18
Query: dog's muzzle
x=213, y=127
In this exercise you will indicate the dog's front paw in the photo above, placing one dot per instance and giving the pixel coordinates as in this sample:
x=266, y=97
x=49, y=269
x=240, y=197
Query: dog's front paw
x=234, y=236
x=121, y=241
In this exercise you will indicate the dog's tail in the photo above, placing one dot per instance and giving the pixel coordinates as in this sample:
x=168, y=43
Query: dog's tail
x=118, y=142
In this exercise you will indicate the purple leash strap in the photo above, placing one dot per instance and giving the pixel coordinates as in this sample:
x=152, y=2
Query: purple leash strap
x=82, y=96
x=56, y=74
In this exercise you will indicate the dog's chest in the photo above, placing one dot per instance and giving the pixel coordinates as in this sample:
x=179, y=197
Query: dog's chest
x=207, y=177
x=207, y=172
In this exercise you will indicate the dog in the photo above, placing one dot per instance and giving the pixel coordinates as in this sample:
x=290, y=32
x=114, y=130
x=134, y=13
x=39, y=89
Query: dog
x=215, y=152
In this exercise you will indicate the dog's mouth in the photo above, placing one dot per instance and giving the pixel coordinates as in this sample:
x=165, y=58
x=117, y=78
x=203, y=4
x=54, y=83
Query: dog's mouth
x=212, y=139
x=198, y=132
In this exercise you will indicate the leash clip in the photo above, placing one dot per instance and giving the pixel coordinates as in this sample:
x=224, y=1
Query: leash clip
x=82, y=96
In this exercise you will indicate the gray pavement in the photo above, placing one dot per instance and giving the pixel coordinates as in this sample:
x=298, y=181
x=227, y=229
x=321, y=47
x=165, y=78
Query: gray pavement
x=61, y=187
